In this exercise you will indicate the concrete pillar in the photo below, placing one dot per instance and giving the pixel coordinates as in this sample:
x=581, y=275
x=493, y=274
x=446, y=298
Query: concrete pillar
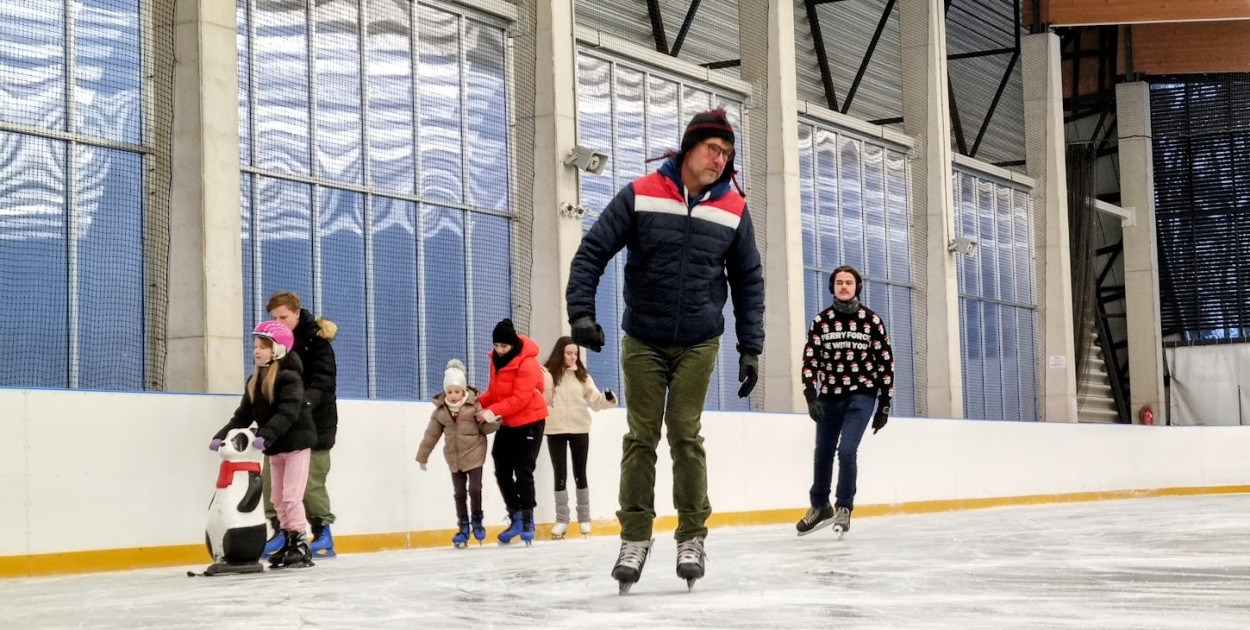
x=546, y=130
x=205, y=325
x=1141, y=272
x=926, y=117
x=1045, y=157
x=773, y=195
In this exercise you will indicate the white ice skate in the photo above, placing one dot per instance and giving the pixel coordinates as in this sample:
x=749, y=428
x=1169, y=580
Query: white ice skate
x=558, y=530
x=585, y=527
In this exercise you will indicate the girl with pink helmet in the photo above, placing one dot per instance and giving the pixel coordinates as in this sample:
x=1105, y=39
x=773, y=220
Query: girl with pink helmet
x=273, y=400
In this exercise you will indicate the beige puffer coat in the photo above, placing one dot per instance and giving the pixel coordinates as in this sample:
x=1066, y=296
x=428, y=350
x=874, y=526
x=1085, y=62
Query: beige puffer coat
x=566, y=403
x=465, y=447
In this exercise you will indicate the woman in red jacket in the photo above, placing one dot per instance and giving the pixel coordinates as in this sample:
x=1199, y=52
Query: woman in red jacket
x=515, y=395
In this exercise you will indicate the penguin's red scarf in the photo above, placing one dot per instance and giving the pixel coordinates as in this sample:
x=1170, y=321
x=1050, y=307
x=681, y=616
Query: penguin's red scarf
x=226, y=473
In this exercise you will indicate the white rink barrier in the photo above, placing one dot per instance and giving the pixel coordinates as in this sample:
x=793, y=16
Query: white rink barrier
x=97, y=480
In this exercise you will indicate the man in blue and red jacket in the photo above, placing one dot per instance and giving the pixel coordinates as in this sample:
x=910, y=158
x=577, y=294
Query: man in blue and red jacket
x=690, y=241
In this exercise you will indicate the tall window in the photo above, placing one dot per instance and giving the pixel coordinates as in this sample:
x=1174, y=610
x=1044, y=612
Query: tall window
x=76, y=145
x=633, y=114
x=376, y=181
x=997, y=300
x=855, y=212
x=1201, y=131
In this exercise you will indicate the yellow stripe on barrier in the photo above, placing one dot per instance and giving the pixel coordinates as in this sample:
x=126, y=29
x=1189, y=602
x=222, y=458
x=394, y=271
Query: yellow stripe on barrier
x=178, y=555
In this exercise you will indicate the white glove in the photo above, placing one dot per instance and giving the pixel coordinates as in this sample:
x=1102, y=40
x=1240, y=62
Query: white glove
x=489, y=416
x=422, y=465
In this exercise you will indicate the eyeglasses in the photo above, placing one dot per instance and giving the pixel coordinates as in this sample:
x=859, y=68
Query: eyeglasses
x=717, y=151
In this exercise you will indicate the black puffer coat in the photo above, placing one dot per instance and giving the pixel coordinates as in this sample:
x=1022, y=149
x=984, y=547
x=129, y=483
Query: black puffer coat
x=312, y=343
x=285, y=421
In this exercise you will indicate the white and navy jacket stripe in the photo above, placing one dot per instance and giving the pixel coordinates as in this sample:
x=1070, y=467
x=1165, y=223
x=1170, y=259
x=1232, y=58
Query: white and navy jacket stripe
x=682, y=258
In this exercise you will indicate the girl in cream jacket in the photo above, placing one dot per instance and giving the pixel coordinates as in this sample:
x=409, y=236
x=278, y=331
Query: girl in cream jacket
x=569, y=389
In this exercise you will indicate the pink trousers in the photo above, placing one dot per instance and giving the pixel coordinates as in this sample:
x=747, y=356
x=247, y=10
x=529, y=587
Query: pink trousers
x=289, y=475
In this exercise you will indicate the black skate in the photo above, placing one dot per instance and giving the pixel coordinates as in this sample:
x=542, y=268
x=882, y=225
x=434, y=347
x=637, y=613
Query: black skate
x=630, y=562
x=842, y=521
x=296, y=554
x=816, y=518
x=690, y=561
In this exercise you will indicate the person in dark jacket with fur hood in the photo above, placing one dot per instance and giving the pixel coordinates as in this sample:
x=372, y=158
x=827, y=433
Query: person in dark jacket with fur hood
x=690, y=241
x=312, y=343
x=274, y=401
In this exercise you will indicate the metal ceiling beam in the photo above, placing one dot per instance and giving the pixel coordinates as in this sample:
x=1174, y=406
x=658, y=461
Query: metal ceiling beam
x=657, y=25
x=872, y=48
x=998, y=95
x=685, y=26
x=822, y=57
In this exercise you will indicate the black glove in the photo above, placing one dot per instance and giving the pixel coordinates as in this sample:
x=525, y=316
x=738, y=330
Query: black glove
x=748, y=373
x=882, y=416
x=587, y=333
x=610, y=395
x=815, y=409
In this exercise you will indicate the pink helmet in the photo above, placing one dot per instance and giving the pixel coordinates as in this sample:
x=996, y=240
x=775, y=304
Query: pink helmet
x=277, y=332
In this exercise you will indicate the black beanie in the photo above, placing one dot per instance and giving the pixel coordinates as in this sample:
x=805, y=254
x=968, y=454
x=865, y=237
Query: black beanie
x=505, y=333
x=713, y=123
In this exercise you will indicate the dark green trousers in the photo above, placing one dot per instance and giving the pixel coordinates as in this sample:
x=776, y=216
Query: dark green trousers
x=665, y=384
x=316, y=498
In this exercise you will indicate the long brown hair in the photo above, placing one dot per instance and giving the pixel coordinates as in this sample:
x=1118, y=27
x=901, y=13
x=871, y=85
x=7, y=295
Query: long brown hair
x=555, y=362
x=268, y=374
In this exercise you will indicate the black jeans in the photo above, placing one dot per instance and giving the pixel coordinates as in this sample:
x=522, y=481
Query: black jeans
x=840, y=430
x=467, y=487
x=579, y=444
x=515, y=453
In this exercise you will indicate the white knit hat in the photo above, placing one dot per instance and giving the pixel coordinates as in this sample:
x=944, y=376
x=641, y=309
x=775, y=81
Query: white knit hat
x=454, y=375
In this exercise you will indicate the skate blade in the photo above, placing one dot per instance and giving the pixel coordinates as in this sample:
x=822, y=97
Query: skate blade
x=837, y=529
x=817, y=528
x=324, y=553
x=624, y=587
x=690, y=584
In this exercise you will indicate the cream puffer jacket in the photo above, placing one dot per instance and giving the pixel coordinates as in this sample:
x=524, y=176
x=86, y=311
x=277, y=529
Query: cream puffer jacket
x=566, y=403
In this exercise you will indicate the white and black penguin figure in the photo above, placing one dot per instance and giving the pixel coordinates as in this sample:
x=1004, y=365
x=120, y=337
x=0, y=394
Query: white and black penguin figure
x=236, y=522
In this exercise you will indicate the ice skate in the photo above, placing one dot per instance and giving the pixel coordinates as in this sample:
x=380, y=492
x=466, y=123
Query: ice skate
x=294, y=555
x=513, y=530
x=583, y=511
x=842, y=522
x=562, y=515
x=461, y=539
x=479, y=530
x=527, y=527
x=630, y=562
x=559, y=530
x=322, y=545
x=816, y=518
x=278, y=541
x=690, y=561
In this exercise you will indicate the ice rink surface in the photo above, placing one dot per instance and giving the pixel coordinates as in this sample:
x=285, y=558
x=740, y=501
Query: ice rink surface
x=1176, y=562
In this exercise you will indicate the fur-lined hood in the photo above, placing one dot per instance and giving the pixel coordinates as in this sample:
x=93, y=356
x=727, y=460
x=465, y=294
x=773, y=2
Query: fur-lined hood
x=319, y=326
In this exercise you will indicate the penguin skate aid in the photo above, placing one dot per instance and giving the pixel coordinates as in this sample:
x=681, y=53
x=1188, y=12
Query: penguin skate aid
x=455, y=421
x=673, y=334
x=571, y=395
x=235, y=532
x=273, y=401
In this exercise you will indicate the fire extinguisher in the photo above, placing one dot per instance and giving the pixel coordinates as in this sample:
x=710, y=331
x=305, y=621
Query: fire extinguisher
x=1147, y=415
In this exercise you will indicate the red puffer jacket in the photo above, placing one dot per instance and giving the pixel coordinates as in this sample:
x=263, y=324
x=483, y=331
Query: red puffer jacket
x=516, y=391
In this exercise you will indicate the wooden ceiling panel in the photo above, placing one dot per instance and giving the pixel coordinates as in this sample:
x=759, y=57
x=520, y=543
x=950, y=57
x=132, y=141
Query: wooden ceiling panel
x=1089, y=12
x=1191, y=48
